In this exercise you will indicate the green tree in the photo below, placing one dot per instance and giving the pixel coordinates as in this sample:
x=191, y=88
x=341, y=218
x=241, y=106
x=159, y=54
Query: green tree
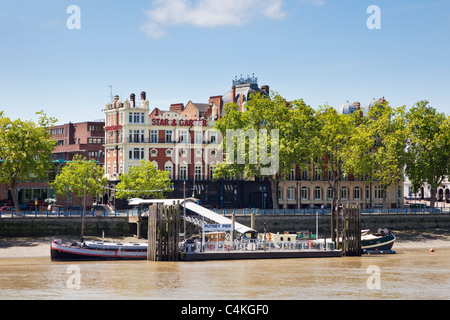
x=332, y=146
x=144, y=181
x=428, y=148
x=267, y=139
x=25, y=150
x=72, y=179
x=378, y=147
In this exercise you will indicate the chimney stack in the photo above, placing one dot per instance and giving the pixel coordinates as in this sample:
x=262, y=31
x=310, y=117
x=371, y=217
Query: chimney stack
x=143, y=95
x=357, y=105
x=266, y=89
x=133, y=100
x=233, y=94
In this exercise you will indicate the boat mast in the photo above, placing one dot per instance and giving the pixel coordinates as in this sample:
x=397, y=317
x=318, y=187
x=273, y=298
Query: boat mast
x=84, y=208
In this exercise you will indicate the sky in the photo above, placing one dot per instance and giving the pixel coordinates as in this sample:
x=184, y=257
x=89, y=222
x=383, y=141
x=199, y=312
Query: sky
x=62, y=59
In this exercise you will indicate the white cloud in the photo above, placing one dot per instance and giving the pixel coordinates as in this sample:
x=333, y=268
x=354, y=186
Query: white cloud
x=207, y=13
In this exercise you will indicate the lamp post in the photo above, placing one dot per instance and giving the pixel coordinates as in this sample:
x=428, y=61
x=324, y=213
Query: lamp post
x=263, y=190
x=184, y=209
x=68, y=190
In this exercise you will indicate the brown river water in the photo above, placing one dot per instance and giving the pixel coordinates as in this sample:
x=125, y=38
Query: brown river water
x=409, y=274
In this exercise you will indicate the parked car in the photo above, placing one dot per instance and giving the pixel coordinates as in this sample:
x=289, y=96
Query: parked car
x=419, y=206
x=6, y=209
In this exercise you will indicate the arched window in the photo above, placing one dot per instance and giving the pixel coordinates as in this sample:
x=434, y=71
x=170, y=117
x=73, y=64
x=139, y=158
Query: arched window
x=305, y=193
x=317, y=193
x=330, y=193
x=357, y=193
x=344, y=193
x=291, y=193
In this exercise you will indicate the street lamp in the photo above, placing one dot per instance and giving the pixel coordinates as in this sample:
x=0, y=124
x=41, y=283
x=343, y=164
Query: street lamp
x=68, y=191
x=263, y=190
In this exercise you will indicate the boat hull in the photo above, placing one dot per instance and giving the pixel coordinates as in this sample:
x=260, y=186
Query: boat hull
x=379, y=243
x=61, y=252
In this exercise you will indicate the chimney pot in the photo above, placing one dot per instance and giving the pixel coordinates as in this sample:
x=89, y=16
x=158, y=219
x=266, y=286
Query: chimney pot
x=143, y=95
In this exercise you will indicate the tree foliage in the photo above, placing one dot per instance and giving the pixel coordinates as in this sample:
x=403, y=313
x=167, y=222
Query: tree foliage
x=331, y=154
x=72, y=179
x=144, y=181
x=428, y=148
x=378, y=146
x=25, y=150
x=270, y=136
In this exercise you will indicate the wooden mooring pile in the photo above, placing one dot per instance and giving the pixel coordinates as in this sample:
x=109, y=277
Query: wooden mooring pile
x=346, y=229
x=164, y=225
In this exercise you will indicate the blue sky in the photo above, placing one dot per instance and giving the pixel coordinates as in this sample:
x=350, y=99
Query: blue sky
x=181, y=50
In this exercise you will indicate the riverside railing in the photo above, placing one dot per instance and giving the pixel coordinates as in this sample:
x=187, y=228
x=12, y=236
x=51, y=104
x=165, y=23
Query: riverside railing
x=258, y=245
x=226, y=212
x=307, y=211
x=64, y=213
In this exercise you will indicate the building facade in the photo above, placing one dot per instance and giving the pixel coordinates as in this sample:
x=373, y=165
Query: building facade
x=183, y=141
x=85, y=139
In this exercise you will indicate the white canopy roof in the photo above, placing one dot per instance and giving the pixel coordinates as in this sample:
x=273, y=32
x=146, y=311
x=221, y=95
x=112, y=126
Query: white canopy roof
x=211, y=215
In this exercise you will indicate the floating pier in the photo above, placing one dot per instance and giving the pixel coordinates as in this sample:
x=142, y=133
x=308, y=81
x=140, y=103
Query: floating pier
x=252, y=255
x=257, y=249
x=164, y=227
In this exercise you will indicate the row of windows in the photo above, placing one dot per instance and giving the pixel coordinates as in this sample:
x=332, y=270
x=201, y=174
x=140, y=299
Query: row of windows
x=133, y=117
x=317, y=175
x=183, y=136
x=318, y=193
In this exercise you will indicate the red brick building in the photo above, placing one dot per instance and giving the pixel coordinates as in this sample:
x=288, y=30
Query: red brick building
x=85, y=138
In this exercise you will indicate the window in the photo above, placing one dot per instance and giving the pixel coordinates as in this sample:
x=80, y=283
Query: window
x=154, y=136
x=378, y=192
x=367, y=193
x=168, y=168
x=198, y=173
x=168, y=152
x=183, y=136
x=344, y=193
x=169, y=136
x=153, y=153
x=199, y=137
x=305, y=175
x=318, y=193
x=356, y=193
x=211, y=172
x=213, y=137
x=304, y=193
x=291, y=193
x=292, y=174
x=183, y=172
x=317, y=175
x=330, y=175
x=136, y=154
x=330, y=193
x=280, y=194
x=95, y=141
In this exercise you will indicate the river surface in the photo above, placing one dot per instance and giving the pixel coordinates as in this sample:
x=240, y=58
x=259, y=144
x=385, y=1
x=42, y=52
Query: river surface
x=409, y=274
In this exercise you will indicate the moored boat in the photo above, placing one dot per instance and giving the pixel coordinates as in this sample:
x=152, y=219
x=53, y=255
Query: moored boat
x=93, y=251
x=383, y=240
